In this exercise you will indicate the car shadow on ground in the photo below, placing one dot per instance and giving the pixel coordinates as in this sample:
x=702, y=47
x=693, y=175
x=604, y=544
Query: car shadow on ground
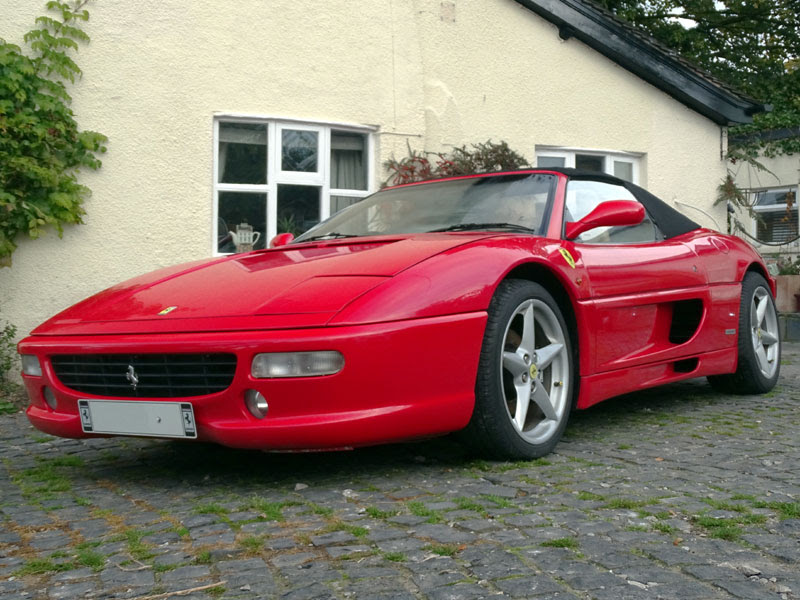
x=161, y=464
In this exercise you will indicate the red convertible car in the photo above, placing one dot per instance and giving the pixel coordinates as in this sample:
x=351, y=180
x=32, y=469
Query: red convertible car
x=494, y=304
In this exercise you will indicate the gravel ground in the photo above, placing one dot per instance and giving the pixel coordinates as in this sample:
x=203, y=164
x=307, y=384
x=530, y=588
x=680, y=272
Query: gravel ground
x=675, y=493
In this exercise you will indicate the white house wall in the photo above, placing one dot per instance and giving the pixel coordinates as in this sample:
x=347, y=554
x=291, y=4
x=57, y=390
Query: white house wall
x=427, y=73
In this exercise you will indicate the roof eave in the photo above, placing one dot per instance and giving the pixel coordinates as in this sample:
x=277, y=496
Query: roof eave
x=611, y=39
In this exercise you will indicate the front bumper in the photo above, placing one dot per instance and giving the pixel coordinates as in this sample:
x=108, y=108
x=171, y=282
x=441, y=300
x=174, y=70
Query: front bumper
x=401, y=380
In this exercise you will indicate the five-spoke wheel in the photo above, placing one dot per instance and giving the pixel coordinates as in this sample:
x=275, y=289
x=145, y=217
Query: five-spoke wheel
x=524, y=387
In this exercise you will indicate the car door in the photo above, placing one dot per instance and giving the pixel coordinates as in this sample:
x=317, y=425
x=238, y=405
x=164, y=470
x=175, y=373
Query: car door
x=647, y=294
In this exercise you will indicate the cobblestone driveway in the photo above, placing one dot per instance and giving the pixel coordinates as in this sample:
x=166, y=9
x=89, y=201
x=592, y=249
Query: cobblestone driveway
x=677, y=493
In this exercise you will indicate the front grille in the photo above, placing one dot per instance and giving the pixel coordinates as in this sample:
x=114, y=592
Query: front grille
x=157, y=375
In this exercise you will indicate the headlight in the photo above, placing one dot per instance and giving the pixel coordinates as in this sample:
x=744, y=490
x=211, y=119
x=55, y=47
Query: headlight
x=31, y=366
x=296, y=364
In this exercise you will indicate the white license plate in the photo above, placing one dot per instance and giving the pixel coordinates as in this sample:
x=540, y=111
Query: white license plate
x=121, y=417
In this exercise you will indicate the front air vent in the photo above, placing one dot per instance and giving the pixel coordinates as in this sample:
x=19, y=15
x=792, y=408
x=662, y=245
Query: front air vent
x=145, y=375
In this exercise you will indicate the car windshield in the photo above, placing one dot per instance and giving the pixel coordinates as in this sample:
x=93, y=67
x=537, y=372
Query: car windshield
x=513, y=202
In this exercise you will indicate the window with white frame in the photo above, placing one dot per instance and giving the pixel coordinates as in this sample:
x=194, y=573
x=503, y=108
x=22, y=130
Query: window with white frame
x=275, y=176
x=625, y=165
x=776, y=214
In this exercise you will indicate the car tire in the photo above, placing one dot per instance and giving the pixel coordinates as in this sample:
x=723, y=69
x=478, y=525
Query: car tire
x=525, y=380
x=759, y=346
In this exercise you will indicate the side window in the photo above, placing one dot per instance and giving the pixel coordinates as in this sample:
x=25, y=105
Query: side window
x=583, y=196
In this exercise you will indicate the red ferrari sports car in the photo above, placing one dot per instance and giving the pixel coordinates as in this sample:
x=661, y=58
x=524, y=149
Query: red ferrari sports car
x=492, y=303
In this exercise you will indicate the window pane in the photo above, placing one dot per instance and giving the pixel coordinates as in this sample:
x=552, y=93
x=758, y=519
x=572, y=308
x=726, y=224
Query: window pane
x=623, y=170
x=589, y=162
x=237, y=212
x=341, y=202
x=298, y=208
x=548, y=162
x=299, y=150
x=773, y=197
x=584, y=196
x=348, y=161
x=242, y=153
x=776, y=225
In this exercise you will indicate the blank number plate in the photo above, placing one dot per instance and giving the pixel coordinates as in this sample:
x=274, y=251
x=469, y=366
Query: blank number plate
x=119, y=417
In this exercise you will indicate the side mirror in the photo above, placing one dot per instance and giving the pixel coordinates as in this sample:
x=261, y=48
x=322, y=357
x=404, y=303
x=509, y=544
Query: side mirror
x=281, y=240
x=612, y=213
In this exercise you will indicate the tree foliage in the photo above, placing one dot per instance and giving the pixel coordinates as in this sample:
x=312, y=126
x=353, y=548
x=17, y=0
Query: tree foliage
x=752, y=45
x=41, y=147
x=483, y=157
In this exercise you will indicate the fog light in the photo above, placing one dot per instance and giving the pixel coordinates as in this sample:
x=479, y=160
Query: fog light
x=256, y=404
x=296, y=364
x=31, y=366
x=50, y=398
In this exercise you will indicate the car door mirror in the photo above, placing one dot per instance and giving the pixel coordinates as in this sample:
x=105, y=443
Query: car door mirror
x=281, y=240
x=612, y=213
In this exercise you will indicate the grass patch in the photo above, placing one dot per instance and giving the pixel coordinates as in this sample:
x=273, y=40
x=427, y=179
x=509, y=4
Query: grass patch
x=664, y=528
x=203, y=558
x=565, y=542
x=91, y=559
x=47, y=478
x=216, y=592
x=723, y=505
x=323, y=511
x=785, y=510
x=377, y=513
x=624, y=446
x=395, y=556
x=7, y=408
x=211, y=508
x=252, y=543
x=625, y=503
x=270, y=511
x=499, y=501
x=590, y=497
x=724, y=529
x=40, y=566
x=469, y=504
x=442, y=549
x=418, y=509
x=137, y=548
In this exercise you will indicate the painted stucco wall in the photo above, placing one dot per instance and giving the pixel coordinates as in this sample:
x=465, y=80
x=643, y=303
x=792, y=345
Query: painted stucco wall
x=430, y=73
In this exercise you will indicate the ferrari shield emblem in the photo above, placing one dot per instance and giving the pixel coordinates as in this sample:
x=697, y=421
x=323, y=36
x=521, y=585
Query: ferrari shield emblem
x=567, y=257
x=167, y=310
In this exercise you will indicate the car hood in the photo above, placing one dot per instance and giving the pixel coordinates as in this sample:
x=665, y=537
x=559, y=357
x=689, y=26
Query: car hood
x=302, y=285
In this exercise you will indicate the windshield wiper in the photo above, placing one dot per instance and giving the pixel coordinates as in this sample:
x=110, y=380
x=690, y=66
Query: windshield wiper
x=327, y=236
x=474, y=226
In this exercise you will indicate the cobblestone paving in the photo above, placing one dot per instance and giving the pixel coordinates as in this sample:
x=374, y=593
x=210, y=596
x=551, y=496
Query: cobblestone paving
x=679, y=493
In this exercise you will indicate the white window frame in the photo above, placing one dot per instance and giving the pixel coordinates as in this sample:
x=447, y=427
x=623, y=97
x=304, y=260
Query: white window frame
x=276, y=176
x=773, y=208
x=569, y=154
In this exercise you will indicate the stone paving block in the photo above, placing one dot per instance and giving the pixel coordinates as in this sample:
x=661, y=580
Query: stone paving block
x=528, y=587
x=334, y=537
x=115, y=577
x=71, y=590
x=442, y=533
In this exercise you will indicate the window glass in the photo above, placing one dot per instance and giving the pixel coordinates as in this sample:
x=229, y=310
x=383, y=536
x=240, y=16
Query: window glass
x=584, y=196
x=242, y=153
x=341, y=202
x=298, y=208
x=624, y=170
x=590, y=162
x=549, y=162
x=239, y=214
x=299, y=150
x=348, y=161
x=776, y=215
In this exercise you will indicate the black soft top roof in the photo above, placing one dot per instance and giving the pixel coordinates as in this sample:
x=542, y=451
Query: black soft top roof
x=670, y=221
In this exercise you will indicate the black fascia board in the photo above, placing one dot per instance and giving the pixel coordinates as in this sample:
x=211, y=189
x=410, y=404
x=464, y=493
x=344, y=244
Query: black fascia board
x=646, y=60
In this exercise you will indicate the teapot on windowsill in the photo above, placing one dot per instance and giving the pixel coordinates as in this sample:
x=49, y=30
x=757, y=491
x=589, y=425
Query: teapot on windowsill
x=244, y=237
